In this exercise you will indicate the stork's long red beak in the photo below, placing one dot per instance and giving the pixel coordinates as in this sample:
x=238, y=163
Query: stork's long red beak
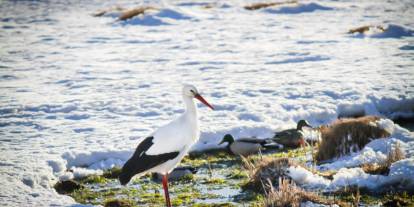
x=200, y=98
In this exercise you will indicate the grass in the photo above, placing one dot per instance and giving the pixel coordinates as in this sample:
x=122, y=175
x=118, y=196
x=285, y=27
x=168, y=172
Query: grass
x=394, y=155
x=267, y=168
x=246, y=178
x=215, y=181
x=128, y=14
x=364, y=29
x=217, y=170
x=118, y=203
x=93, y=179
x=353, y=195
x=213, y=205
x=347, y=135
x=288, y=194
x=237, y=174
x=262, y=5
x=112, y=173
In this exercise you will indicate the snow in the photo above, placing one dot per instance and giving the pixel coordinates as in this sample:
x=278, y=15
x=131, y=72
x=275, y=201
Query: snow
x=305, y=178
x=401, y=174
x=348, y=167
x=300, y=8
x=79, y=92
x=310, y=204
x=391, y=31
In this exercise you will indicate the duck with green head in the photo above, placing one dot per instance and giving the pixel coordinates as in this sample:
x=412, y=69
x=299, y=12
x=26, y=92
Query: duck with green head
x=292, y=137
x=244, y=146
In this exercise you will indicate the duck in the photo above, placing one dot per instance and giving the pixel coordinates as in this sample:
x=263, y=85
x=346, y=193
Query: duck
x=292, y=138
x=177, y=173
x=245, y=146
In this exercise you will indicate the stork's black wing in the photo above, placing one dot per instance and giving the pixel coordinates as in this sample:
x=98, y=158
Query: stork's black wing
x=140, y=161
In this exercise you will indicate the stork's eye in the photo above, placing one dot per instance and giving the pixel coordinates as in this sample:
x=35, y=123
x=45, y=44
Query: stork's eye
x=192, y=91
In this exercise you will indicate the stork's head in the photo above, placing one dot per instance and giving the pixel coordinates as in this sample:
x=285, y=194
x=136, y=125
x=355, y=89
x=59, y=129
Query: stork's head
x=192, y=92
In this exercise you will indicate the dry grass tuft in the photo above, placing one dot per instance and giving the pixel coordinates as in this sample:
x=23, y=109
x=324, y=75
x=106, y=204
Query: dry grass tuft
x=394, y=155
x=257, y=6
x=261, y=171
x=348, y=135
x=364, y=29
x=107, y=10
x=375, y=169
x=134, y=12
x=118, y=203
x=288, y=194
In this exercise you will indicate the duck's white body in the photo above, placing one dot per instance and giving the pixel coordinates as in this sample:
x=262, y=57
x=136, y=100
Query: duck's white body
x=244, y=148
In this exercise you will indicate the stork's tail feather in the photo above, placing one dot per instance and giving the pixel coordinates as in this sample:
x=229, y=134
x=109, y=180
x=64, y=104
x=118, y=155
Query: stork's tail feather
x=124, y=178
x=128, y=171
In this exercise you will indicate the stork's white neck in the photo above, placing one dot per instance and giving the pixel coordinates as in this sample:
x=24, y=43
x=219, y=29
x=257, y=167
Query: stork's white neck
x=191, y=107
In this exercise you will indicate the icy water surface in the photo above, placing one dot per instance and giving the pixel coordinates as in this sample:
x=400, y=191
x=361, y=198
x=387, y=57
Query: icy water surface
x=80, y=91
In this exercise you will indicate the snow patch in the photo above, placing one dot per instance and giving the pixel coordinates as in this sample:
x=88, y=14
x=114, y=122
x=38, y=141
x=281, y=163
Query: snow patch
x=394, y=31
x=145, y=20
x=301, y=8
x=390, y=107
x=305, y=178
x=86, y=159
x=157, y=18
x=57, y=165
x=375, y=151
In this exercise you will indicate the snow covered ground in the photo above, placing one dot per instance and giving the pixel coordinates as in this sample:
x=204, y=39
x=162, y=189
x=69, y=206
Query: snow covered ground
x=79, y=91
x=349, y=167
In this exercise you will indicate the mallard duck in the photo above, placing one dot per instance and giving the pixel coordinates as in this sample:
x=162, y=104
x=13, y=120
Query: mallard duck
x=177, y=173
x=292, y=137
x=244, y=146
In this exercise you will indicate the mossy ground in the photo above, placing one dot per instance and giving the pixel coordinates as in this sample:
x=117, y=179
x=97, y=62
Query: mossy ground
x=217, y=183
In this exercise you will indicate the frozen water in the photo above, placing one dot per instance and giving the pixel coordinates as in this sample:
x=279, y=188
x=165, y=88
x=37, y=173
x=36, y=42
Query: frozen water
x=78, y=92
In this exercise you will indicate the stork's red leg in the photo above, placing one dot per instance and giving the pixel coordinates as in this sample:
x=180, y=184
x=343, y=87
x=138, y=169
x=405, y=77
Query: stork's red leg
x=165, y=185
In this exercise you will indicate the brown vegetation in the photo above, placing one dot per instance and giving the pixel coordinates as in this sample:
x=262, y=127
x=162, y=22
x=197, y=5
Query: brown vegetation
x=265, y=5
x=67, y=186
x=288, y=194
x=104, y=11
x=394, y=155
x=118, y=203
x=348, y=135
x=134, y=12
x=265, y=169
x=364, y=29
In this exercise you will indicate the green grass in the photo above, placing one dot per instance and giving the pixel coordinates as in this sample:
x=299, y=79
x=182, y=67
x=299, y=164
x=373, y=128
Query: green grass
x=215, y=172
x=93, y=179
x=215, y=181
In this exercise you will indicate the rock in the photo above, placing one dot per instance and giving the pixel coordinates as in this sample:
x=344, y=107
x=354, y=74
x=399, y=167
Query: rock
x=117, y=203
x=67, y=186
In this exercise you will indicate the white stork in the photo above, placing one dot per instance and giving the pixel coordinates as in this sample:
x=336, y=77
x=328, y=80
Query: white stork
x=161, y=151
